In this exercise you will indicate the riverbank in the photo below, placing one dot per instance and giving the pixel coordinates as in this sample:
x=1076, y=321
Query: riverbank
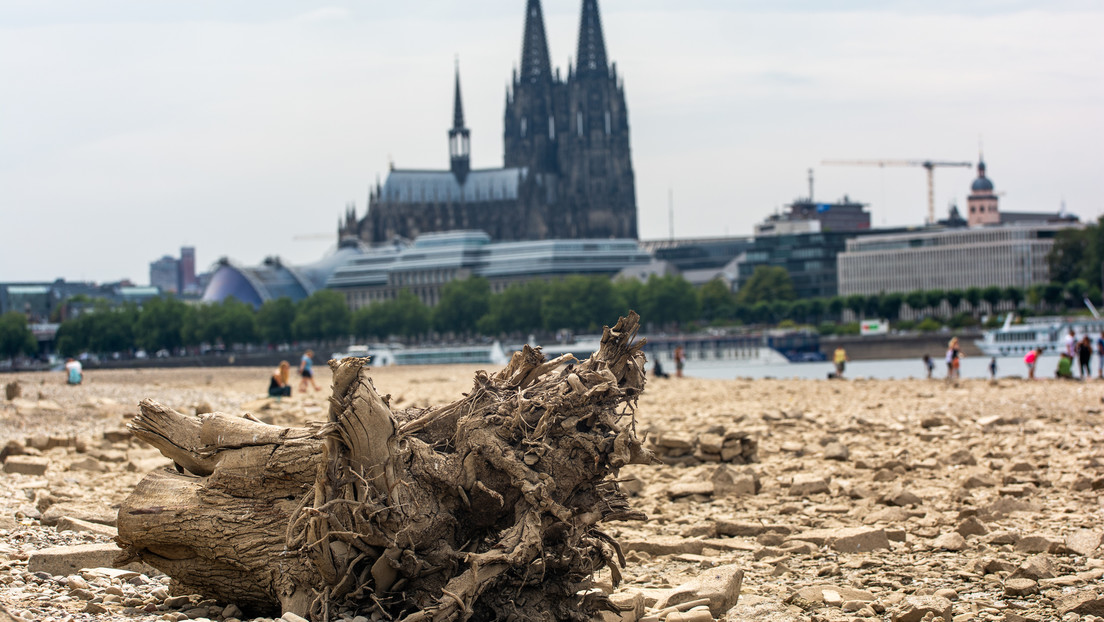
x=866, y=498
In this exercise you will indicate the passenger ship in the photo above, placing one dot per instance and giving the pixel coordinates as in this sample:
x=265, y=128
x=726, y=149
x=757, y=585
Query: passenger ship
x=1048, y=333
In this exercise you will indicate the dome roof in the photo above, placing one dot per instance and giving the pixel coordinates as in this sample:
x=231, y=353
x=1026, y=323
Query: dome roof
x=982, y=184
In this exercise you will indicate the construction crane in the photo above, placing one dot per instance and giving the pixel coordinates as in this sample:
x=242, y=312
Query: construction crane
x=927, y=164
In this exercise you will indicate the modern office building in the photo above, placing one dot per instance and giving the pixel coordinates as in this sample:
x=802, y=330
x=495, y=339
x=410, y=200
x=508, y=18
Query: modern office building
x=274, y=278
x=434, y=259
x=808, y=216
x=1005, y=256
x=186, y=273
x=165, y=274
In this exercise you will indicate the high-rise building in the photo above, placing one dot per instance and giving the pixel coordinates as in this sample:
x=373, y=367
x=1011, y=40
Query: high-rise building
x=568, y=167
x=165, y=274
x=187, y=274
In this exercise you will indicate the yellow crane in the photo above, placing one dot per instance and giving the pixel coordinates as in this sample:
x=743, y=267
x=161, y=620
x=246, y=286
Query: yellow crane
x=929, y=165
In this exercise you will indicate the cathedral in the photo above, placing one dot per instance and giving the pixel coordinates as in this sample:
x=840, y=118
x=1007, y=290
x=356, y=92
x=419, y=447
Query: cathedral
x=567, y=171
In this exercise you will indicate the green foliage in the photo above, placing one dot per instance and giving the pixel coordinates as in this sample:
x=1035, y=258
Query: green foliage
x=1013, y=294
x=462, y=304
x=160, y=325
x=405, y=315
x=1078, y=254
x=321, y=316
x=228, y=322
x=668, y=300
x=954, y=298
x=934, y=297
x=767, y=284
x=929, y=325
x=916, y=300
x=973, y=296
x=717, y=301
x=836, y=305
x=992, y=295
x=629, y=293
x=963, y=320
x=274, y=320
x=889, y=305
x=15, y=336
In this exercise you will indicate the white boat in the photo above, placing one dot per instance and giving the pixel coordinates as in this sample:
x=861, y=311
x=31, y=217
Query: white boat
x=382, y=355
x=1048, y=333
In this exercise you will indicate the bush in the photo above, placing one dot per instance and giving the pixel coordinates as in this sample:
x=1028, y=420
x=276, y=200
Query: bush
x=929, y=325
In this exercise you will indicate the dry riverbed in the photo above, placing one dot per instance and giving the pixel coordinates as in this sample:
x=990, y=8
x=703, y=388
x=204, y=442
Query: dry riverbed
x=838, y=500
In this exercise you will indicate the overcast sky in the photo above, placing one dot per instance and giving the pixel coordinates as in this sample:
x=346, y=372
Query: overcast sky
x=130, y=128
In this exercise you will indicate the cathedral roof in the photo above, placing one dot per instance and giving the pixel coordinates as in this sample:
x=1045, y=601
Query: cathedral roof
x=592, y=45
x=413, y=186
x=535, y=63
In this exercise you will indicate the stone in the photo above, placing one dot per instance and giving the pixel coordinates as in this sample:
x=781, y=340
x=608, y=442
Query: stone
x=13, y=390
x=15, y=448
x=836, y=451
x=1035, y=568
x=808, y=484
x=748, y=529
x=902, y=497
x=972, y=527
x=1037, y=544
x=685, y=489
x=664, y=545
x=822, y=594
x=631, y=604
x=66, y=560
x=87, y=464
x=962, y=457
x=26, y=465
x=90, y=512
x=1020, y=587
x=887, y=515
x=1087, y=602
x=1083, y=542
x=914, y=608
x=952, y=541
x=728, y=481
x=721, y=585
x=846, y=540
x=68, y=523
x=291, y=617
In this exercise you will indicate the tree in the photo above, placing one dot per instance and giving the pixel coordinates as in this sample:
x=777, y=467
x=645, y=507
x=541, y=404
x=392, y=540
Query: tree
x=15, y=336
x=669, y=300
x=629, y=292
x=856, y=303
x=836, y=305
x=462, y=304
x=933, y=298
x=1014, y=295
x=916, y=300
x=767, y=283
x=973, y=296
x=405, y=315
x=889, y=305
x=716, y=301
x=954, y=298
x=992, y=295
x=1075, y=292
x=321, y=316
x=816, y=309
x=274, y=320
x=160, y=324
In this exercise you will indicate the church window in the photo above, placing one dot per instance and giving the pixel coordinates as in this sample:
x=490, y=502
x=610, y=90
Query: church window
x=552, y=128
x=524, y=126
x=609, y=122
x=579, y=122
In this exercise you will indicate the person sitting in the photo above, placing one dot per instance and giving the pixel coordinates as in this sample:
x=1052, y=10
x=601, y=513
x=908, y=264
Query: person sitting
x=74, y=374
x=657, y=370
x=1065, y=367
x=278, y=384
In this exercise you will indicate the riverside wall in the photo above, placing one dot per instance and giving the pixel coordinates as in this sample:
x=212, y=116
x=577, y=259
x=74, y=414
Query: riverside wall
x=906, y=346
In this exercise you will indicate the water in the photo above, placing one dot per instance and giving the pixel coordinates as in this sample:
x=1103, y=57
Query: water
x=971, y=367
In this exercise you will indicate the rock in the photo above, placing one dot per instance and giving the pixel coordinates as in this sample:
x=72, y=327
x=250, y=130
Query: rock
x=760, y=609
x=686, y=489
x=664, y=545
x=914, y=608
x=87, y=464
x=846, y=540
x=1035, y=568
x=15, y=448
x=1087, y=602
x=952, y=541
x=631, y=604
x=831, y=595
x=730, y=482
x=117, y=436
x=721, y=585
x=1037, y=544
x=13, y=390
x=962, y=457
x=1083, y=542
x=972, y=527
x=66, y=560
x=887, y=515
x=89, y=512
x=291, y=617
x=748, y=529
x=901, y=497
x=1020, y=587
x=836, y=451
x=26, y=465
x=68, y=523
x=807, y=484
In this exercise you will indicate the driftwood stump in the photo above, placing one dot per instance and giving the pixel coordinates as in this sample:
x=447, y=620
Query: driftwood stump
x=487, y=508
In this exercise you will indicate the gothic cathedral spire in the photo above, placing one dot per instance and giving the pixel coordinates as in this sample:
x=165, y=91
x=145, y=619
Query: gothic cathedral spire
x=535, y=63
x=591, y=58
x=459, y=137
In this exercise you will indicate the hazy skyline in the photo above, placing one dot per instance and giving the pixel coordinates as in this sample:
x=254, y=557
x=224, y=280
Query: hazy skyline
x=243, y=129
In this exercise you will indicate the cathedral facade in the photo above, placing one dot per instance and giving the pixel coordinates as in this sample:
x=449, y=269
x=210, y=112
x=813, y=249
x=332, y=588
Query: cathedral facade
x=567, y=171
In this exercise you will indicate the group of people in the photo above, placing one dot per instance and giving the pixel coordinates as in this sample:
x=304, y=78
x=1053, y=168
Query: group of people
x=680, y=363
x=1074, y=349
x=279, y=385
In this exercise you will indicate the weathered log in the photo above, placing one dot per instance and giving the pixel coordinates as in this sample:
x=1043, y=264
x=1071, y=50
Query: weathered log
x=486, y=508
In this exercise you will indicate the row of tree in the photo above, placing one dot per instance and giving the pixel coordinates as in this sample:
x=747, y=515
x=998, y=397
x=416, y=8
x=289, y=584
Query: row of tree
x=469, y=308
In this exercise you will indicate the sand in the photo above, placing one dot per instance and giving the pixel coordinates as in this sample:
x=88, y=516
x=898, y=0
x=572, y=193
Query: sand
x=866, y=500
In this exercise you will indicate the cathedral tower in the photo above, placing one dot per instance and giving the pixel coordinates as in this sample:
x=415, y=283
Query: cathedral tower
x=530, y=124
x=982, y=202
x=459, y=138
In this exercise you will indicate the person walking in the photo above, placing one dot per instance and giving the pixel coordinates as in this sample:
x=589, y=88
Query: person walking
x=680, y=361
x=929, y=365
x=993, y=368
x=1100, y=355
x=306, y=372
x=954, y=359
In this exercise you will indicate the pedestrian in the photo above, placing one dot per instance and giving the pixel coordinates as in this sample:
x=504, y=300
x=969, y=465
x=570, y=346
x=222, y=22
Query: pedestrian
x=1030, y=359
x=1071, y=344
x=74, y=373
x=840, y=359
x=954, y=359
x=1100, y=355
x=929, y=364
x=278, y=383
x=306, y=372
x=680, y=361
x=993, y=368
x=1084, y=357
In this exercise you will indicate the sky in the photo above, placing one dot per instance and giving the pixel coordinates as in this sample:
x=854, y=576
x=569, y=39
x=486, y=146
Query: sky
x=130, y=128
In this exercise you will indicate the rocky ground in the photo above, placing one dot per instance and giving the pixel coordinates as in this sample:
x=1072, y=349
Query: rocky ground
x=836, y=500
